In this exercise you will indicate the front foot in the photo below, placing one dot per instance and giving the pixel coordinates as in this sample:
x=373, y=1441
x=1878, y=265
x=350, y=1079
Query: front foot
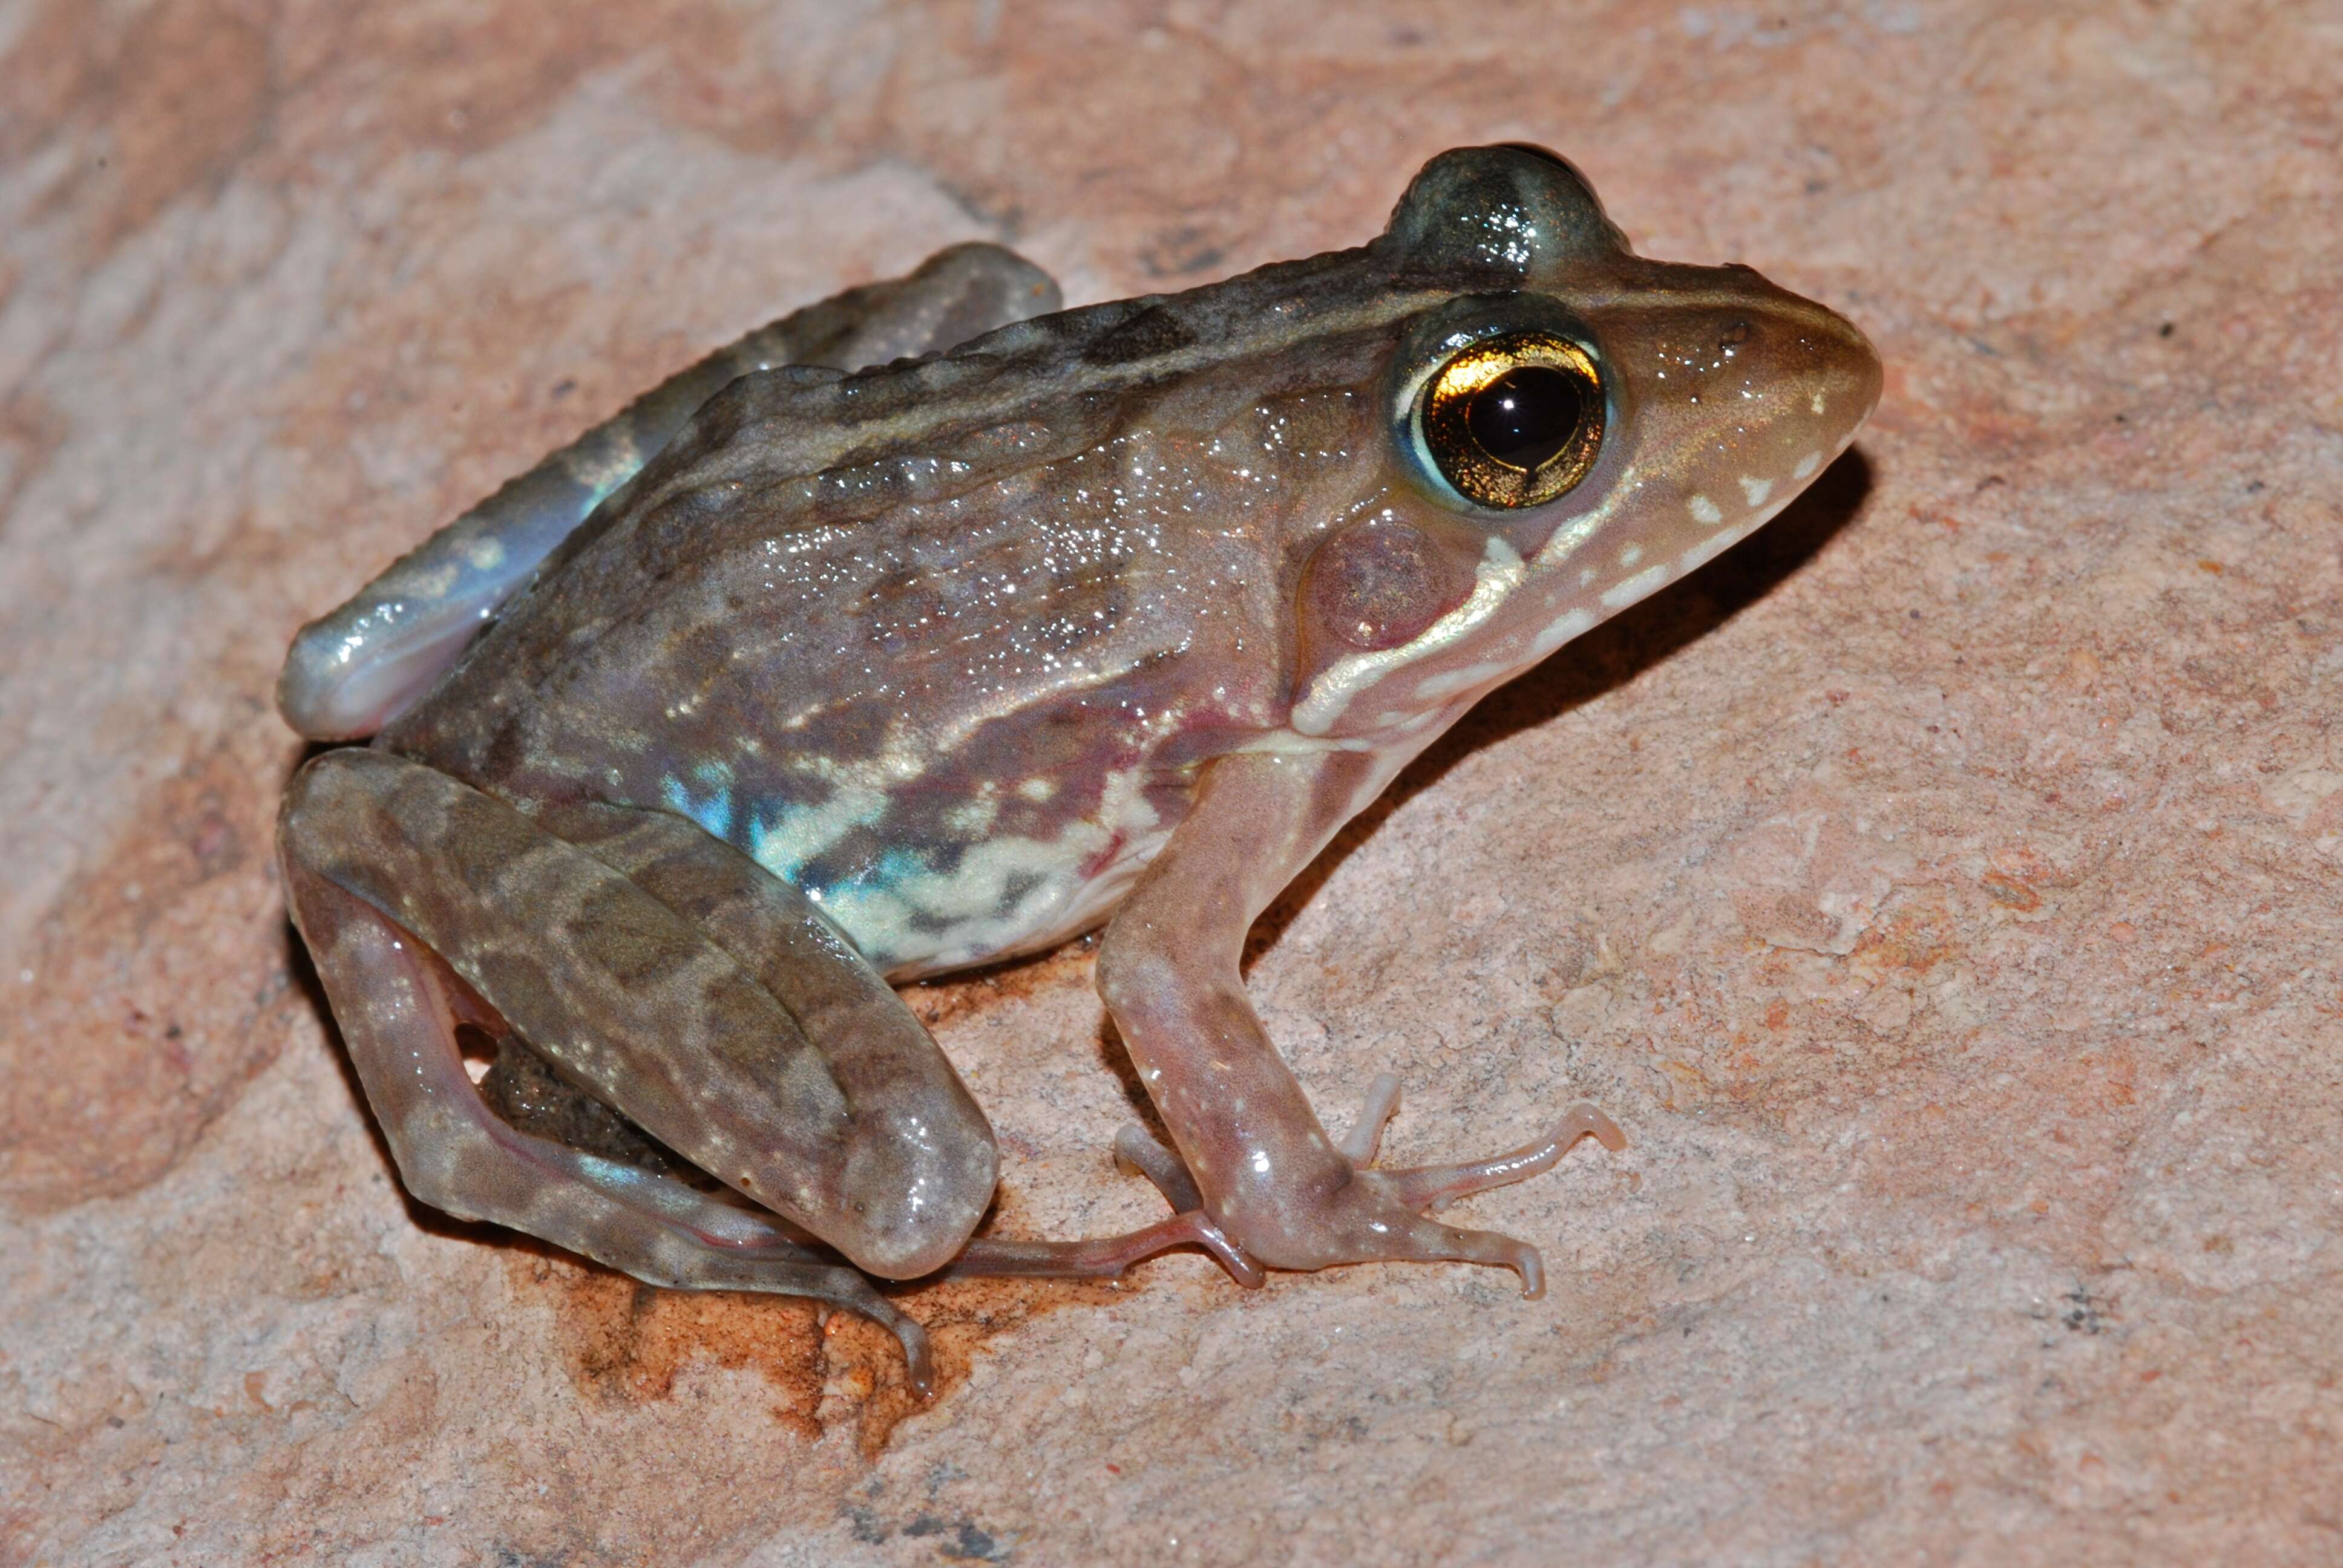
x=1348, y=1211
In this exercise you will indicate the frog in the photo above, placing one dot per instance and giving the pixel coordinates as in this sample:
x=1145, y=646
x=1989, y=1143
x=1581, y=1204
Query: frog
x=936, y=625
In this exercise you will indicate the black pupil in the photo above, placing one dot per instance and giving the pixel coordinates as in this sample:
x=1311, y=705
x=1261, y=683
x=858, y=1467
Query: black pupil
x=1526, y=415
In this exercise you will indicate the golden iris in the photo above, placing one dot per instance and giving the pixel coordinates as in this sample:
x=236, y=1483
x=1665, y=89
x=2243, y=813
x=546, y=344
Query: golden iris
x=1514, y=421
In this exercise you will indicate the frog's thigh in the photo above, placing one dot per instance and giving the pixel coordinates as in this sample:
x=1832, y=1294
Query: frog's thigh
x=862, y=1144
x=353, y=671
x=926, y=1154
x=398, y=1005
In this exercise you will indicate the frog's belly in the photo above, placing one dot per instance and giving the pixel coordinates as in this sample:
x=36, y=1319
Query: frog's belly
x=948, y=886
x=1003, y=898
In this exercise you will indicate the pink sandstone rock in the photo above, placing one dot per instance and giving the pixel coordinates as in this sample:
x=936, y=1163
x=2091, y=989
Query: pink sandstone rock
x=1942, y=889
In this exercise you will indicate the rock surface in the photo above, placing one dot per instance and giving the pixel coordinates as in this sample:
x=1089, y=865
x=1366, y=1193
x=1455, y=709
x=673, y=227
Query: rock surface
x=1942, y=889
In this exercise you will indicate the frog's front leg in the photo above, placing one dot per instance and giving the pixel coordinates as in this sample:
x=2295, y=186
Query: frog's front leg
x=1264, y=1168
x=669, y=976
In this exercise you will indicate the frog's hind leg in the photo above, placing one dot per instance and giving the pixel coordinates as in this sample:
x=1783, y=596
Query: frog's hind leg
x=811, y=966
x=428, y=904
x=1102, y=1257
x=352, y=672
x=1138, y=1151
x=398, y=1005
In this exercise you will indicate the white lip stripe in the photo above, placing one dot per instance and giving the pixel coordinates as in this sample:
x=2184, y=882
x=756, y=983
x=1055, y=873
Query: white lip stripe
x=1330, y=693
x=1708, y=550
x=1619, y=596
x=1562, y=632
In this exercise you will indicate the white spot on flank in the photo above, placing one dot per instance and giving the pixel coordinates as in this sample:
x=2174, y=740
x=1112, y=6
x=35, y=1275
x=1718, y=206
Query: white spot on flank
x=1806, y=465
x=1631, y=555
x=1619, y=596
x=972, y=818
x=801, y=833
x=1819, y=403
x=1756, y=489
x=1705, y=512
x=1037, y=788
x=925, y=921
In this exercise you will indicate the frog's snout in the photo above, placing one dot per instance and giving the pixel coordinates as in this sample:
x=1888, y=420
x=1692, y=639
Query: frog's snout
x=1795, y=373
x=1754, y=395
x=1840, y=376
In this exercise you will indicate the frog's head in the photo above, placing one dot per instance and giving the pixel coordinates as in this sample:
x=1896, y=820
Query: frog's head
x=1582, y=424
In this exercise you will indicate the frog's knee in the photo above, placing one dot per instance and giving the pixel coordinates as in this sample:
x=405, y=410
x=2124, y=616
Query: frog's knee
x=914, y=1189
x=327, y=692
x=320, y=795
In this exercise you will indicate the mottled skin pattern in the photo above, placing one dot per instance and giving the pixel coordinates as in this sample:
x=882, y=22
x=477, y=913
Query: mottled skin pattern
x=1118, y=612
x=351, y=671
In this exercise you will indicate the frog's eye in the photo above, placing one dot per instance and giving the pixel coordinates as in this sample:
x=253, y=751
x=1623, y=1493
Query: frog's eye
x=1513, y=421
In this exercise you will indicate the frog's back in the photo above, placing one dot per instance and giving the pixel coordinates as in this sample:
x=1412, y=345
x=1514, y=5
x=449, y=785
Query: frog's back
x=941, y=643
